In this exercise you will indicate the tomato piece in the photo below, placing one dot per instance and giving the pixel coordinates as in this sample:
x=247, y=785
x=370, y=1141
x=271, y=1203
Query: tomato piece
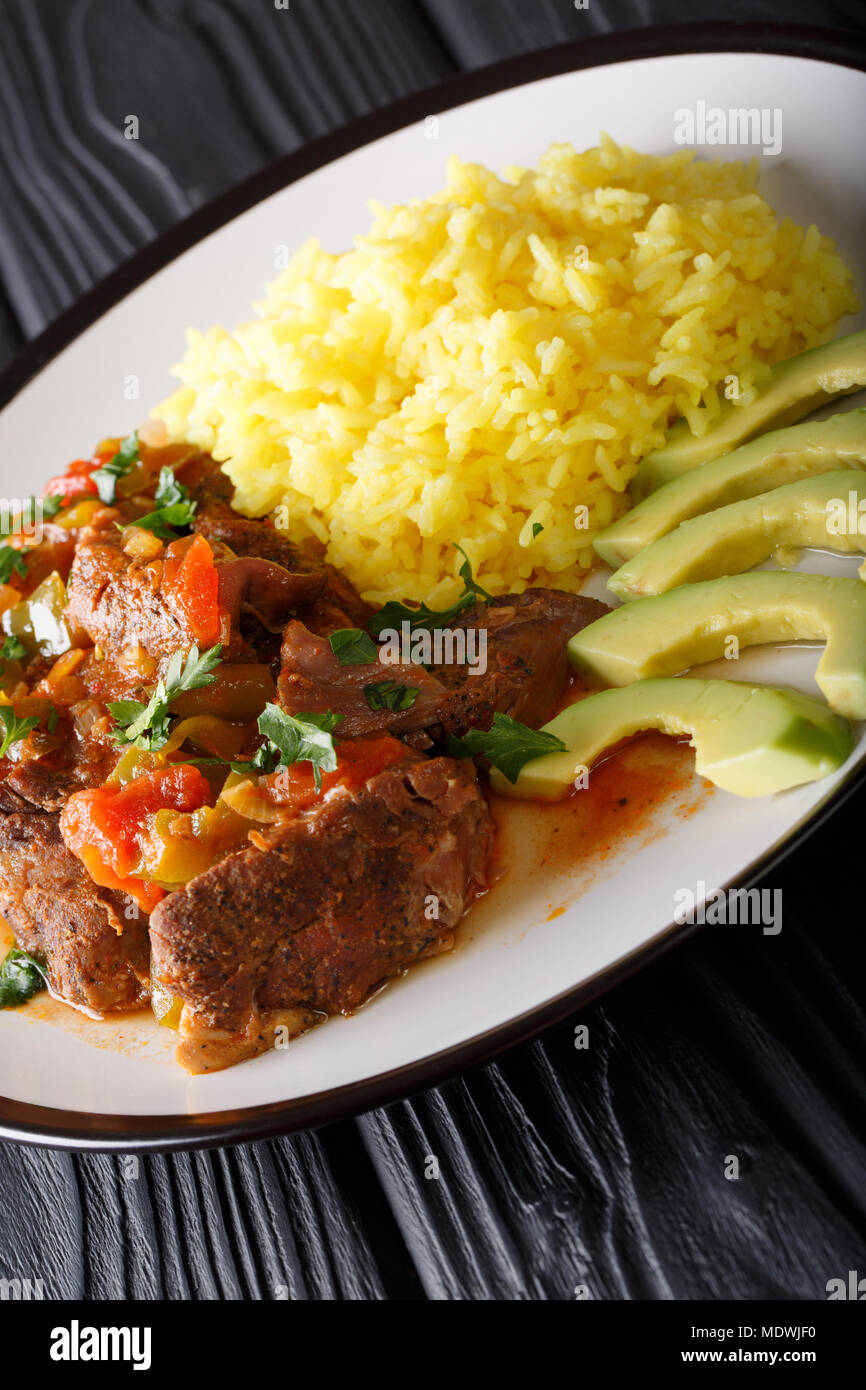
x=76, y=481
x=191, y=585
x=358, y=760
x=104, y=826
x=147, y=895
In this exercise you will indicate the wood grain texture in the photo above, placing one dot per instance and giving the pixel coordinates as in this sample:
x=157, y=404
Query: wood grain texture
x=558, y=1168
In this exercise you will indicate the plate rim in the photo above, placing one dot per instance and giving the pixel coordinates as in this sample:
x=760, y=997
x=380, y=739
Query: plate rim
x=52, y=1127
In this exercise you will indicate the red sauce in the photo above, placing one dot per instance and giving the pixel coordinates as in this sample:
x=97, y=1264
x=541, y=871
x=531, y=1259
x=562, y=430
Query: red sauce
x=583, y=835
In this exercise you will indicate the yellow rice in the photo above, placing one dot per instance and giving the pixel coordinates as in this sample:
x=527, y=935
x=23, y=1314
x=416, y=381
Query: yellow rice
x=489, y=365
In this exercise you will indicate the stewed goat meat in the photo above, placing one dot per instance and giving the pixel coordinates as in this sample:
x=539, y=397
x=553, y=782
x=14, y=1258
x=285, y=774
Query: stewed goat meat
x=324, y=908
x=519, y=640
x=204, y=801
x=95, y=948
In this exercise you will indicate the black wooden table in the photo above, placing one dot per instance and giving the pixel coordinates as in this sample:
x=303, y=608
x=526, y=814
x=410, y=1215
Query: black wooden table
x=560, y=1168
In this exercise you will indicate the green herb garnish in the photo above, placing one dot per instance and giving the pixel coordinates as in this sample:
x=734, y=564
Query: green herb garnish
x=394, y=613
x=303, y=738
x=289, y=739
x=167, y=522
x=390, y=695
x=507, y=745
x=465, y=572
x=168, y=490
x=13, y=649
x=16, y=728
x=117, y=467
x=353, y=647
x=11, y=562
x=174, y=510
x=537, y=529
x=21, y=976
x=146, y=725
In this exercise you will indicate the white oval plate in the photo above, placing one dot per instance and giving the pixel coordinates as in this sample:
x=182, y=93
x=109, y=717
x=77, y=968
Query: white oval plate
x=518, y=968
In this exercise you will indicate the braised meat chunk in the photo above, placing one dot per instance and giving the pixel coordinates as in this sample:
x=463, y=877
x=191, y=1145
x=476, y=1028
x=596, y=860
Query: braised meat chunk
x=312, y=680
x=97, y=957
x=325, y=908
x=121, y=602
x=129, y=593
x=45, y=784
x=522, y=638
x=326, y=597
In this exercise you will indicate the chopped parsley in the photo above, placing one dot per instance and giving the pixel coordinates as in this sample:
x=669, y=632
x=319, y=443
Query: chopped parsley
x=302, y=738
x=51, y=504
x=394, y=613
x=353, y=647
x=168, y=490
x=507, y=745
x=465, y=572
x=16, y=728
x=146, y=725
x=13, y=649
x=421, y=616
x=390, y=695
x=173, y=512
x=106, y=477
x=21, y=976
x=537, y=529
x=11, y=562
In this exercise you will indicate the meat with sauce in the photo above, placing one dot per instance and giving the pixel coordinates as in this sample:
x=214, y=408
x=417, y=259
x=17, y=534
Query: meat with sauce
x=46, y=783
x=323, y=909
x=92, y=939
x=122, y=601
x=300, y=902
x=525, y=677
x=327, y=598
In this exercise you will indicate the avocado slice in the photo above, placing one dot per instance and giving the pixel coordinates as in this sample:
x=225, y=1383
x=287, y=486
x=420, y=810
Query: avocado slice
x=665, y=635
x=794, y=388
x=752, y=740
x=734, y=538
x=772, y=460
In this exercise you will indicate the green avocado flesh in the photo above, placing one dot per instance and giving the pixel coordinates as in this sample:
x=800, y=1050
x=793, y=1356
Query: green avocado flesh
x=694, y=623
x=773, y=460
x=752, y=740
x=820, y=512
x=793, y=389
